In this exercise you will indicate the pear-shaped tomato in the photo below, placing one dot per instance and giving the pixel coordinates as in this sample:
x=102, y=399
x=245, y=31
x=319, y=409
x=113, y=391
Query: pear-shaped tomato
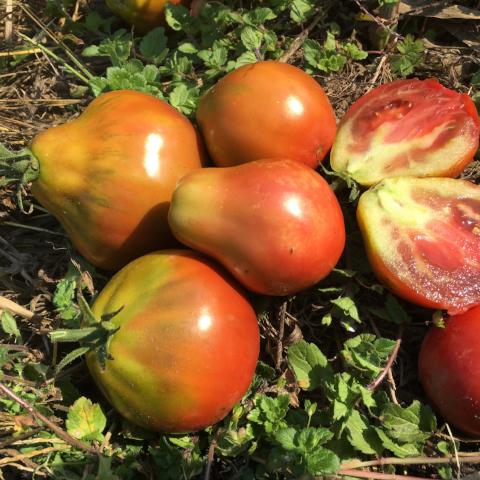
x=274, y=224
x=449, y=370
x=422, y=236
x=109, y=174
x=406, y=128
x=187, y=345
x=144, y=14
x=266, y=110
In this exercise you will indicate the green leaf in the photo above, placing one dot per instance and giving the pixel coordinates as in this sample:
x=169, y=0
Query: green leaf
x=322, y=461
x=71, y=357
x=251, y=38
x=398, y=449
x=415, y=423
x=367, y=353
x=184, y=99
x=269, y=411
x=348, y=307
x=396, y=313
x=410, y=56
x=9, y=324
x=98, y=85
x=360, y=435
x=85, y=420
x=187, y=47
x=330, y=42
x=309, y=365
x=259, y=16
x=244, y=59
x=354, y=52
x=153, y=45
x=286, y=438
x=301, y=10
x=177, y=16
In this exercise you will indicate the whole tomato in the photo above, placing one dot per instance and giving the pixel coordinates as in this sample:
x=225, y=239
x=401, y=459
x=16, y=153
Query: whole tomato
x=109, y=174
x=422, y=237
x=449, y=370
x=274, y=224
x=144, y=14
x=266, y=110
x=187, y=345
x=406, y=128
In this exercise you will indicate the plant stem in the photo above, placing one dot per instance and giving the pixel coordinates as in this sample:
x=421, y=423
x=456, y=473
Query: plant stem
x=379, y=475
x=42, y=418
x=281, y=331
x=6, y=304
x=372, y=386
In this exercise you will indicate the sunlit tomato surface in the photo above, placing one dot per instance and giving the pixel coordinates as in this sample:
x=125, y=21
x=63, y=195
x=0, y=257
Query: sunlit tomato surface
x=274, y=224
x=144, y=14
x=449, y=370
x=406, y=128
x=109, y=174
x=187, y=346
x=266, y=110
x=422, y=238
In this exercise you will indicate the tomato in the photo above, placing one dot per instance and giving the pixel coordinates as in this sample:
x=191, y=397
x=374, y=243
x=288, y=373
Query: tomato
x=109, y=174
x=422, y=237
x=144, y=14
x=274, y=224
x=266, y=110
x=187, y=346
x=449, y=370
x=406, y=128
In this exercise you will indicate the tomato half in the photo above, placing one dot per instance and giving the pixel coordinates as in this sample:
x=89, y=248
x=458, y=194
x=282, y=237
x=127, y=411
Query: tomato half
x=449, y=370
x=187, y=346
x=266, y=110
x=422, y=237
x=144, y=14
x=274, y=224
x=406, y=128
x=109, y=174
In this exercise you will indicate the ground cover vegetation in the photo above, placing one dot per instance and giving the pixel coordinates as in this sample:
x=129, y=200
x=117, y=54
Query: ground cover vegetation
x=336, y=390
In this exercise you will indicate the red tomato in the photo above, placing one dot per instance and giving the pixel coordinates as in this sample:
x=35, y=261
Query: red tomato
x=187, y=346
x=274, y=224
x=406, y=128
x=449, y=370
x=109, y=174
x=144, y=14
x=422, y=238
x=266, y=110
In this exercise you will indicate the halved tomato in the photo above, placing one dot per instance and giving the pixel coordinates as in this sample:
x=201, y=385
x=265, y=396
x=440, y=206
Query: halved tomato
x=422, y=237
x=449, y=370
x=406, y=128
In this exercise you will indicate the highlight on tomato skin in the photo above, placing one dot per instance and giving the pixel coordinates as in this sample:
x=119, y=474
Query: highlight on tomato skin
x=266, y=109
x=449, y=370
x=187, y=344
x=422, y=238
x=274, y=224
x=406, y=128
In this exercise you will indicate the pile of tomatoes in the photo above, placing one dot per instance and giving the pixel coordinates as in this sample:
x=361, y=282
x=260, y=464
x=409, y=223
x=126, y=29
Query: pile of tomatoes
x=132, y=176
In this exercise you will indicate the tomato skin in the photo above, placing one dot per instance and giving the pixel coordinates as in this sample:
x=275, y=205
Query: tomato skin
x=422, y=238
x=274, y=224
x=266, y=110
x=187, y=346
x=109, y=174
x=144, y=14
x=406, y=128
x=449, y=370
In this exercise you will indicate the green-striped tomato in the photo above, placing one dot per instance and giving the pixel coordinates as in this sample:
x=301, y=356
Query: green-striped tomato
x=187, y=345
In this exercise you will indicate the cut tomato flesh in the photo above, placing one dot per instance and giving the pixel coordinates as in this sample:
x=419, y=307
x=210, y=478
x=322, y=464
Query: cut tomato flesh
x=423, y=239
x=406, y=128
